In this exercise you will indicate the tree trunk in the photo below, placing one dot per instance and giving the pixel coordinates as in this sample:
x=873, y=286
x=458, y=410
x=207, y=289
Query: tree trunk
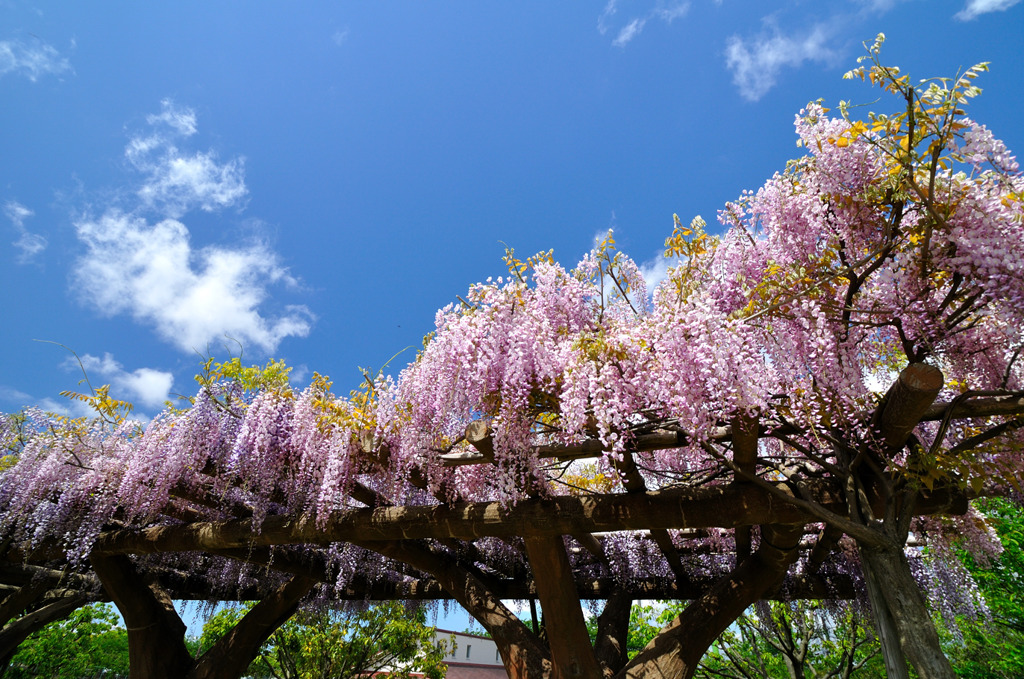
x=18, y=601
x=901, y=612
x=610, y=648
x=156, y=635
x=16, y=631
x=795, y=666
x=901, y=596
x=885, y=625
x=678, y=648
x=235, y=651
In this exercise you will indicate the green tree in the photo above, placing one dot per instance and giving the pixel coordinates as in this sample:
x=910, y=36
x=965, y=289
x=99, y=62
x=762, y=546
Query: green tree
x=89, y=642
x=386, y=637
x=796, y=640
x=793, y=640
x=995, y=649
x=644, y=625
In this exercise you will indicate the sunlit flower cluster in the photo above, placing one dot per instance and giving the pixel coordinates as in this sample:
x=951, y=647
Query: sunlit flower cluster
x=829, y=279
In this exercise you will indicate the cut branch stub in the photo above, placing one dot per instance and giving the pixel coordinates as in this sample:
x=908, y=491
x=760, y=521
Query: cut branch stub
x=379, y=452
x=478, y=434
x=907, y=402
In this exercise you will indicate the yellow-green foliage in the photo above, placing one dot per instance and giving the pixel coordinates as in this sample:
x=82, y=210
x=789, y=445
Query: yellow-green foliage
x=271, y=377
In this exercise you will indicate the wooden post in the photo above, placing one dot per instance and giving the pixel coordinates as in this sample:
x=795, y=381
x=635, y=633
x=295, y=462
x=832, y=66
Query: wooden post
x=744, y=455
x=571, y=652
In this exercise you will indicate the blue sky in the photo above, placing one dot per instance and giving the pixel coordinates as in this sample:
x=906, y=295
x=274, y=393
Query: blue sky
x=314, y=180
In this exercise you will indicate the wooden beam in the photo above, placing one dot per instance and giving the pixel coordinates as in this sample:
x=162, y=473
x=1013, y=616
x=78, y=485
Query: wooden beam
x=745, y=435
x=722, y=506
x=717, y=506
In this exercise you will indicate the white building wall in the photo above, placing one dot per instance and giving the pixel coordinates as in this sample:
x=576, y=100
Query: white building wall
x=470, y=649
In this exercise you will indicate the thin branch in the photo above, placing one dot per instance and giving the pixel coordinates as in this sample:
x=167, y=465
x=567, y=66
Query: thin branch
x=855, y=530
x=976, y=440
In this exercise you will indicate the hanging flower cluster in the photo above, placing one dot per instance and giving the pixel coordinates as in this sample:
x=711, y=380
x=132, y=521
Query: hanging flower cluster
x=885, y=244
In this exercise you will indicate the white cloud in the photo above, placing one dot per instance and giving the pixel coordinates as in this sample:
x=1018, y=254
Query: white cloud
x=975, y=8
x=192, y=297
x=17, y=212
x=14, y=396
x=756, y=63
x=633, y=28
x=608, y=13
x=139, y=259
x=655, y=271
x=146, y=386
x=68, y=407
x=176, y=181
x=15, y=400
x=299, y=376
x=340, y=36
x=671, y=13
x=628, y=32
x=30, y=244
x=181, y=120
x=32, y=61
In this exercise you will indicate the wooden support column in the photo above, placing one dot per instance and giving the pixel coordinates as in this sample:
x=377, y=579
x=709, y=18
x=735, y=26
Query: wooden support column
x=571, y=652
x=744, y=454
